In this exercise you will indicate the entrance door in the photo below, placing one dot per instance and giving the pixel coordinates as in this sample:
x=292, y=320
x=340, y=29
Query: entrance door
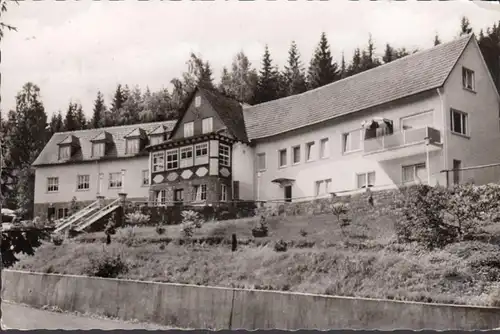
x=288, y=193
x=179, y=196
x=51, y=213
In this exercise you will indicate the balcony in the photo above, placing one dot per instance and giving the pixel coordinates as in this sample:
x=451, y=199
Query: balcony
x=402, y=144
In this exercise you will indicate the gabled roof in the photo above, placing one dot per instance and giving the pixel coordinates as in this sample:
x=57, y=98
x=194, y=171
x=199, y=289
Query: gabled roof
x=102, y=136
x=137, y=132
x=413, y=74
x=159, y=130
x=69, y=140
x=116, y=149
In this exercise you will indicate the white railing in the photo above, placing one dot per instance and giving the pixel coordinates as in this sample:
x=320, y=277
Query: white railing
x=74, y=218
x=403, y=138
x=84, y=223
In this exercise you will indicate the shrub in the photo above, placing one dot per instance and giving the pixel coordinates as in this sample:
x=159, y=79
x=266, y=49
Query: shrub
x=190, y=220
x=106, y=265
x=57, y=239
x=261, y=230
x=160, y=230
x=129, y=238
x=303, y=232
x=280, y=246
x=74, y=207
x=340, y=211
x=136, y=218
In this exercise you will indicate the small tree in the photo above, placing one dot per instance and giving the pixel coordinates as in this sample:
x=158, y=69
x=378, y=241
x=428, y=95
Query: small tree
x=190, y=220
x=74, y=207
x=340, y=211
x=137, y=218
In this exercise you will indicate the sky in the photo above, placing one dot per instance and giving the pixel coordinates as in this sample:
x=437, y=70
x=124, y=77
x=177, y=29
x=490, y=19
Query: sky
x=72, y=49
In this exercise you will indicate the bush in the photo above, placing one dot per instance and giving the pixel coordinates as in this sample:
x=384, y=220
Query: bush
x=136, y=218
x=190, y=220
x=303, y=232
x=340, y=210
x=160, y=230
x=106, y=265
x=57, y=239
x=280, y=246
x=261, y=230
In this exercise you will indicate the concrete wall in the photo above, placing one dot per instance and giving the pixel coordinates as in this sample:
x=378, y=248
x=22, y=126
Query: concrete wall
x=343, y=167
x=481, y=145
x=188, y=306
x=68, y=180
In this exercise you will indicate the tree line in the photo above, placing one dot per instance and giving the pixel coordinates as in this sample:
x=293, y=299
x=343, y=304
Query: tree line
x=26, y=130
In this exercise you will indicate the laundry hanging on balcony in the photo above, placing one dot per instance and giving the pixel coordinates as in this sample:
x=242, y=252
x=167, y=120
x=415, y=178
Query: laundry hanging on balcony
x=377, y=127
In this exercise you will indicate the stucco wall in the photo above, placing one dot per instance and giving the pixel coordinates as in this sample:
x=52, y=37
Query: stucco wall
x=482, y=146
x=189, y=306
x=243, y=170
x=342, y=168
x=68, y=180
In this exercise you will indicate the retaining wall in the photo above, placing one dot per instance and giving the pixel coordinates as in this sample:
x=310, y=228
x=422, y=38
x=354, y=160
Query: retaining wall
x=190, y=306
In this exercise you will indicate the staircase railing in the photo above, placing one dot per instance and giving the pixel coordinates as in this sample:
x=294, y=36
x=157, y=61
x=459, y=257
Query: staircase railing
x=80, y=214
x=84, y=223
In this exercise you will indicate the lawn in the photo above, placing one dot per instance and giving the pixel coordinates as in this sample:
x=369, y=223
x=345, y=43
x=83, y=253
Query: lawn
x=362, y=259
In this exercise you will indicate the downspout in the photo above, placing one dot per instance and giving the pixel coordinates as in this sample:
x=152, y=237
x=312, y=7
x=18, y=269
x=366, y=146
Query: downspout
x=444, y=136
x=150, y=171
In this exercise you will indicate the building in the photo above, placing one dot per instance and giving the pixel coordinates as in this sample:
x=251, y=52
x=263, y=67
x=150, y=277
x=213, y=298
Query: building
x=399, y=123
x=98, y=162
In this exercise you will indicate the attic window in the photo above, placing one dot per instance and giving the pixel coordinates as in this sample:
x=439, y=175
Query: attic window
x=132, y=146
x=197, y=101
x=468, y=79
x=156, y=139
x=98, y=149
x=64, y=152
x=207, y=125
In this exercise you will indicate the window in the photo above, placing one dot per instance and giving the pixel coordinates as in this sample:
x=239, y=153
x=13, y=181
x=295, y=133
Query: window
x=324, y=151
x=145, y=177
x=161, y=197
x=351, y=141
x=282, y=158
x=158, y=162
x=115, y=180
x=157, y=139
x=186, y=156
x=224, y=155
x=365, y=180
x=201, y=149
x=417, y=121
x=200, y=193
x=197, y=101
x=323, y=187
x=468, y=78
x=83, y=182
x=458, y=122
x=132, y=146
x=62, y=213
x=188, y=129
x=261, y=161
x=223, y=193
x=457, y=164
x=296, y=154
x=172, y=159
x=415, y=173
x=98, y=149
x=207, y=125
x=64, y=152
x=179, y=195
x=52, y=184
x=309, y=151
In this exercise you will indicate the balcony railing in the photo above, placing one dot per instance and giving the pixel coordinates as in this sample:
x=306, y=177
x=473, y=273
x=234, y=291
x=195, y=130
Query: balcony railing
x=403, y=138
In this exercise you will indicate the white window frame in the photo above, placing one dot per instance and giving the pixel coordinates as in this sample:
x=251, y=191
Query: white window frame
x=324, y=148
x=468, y=75
x=52, y=184
x=115, y=180
x=188, y=129
x=322, y=184
x=160, y=197
x=224, y=157
x=132, y=146
x=309, y=151
x=285, y=162
x=414, y=168
x=98, y=149
x=64, y=152
x=207, y=125
x=158, y=161
x=82, y=182
x=464, y=122
x=201, y=147
x=156, y=139
x=366, y=178
x=223, y=192
x=293, y=154
x=200, y=193
x=189, y=161
x=145, y=177
x=347, y=138
x=197, y=101
x=261, y=157
x=169, y=165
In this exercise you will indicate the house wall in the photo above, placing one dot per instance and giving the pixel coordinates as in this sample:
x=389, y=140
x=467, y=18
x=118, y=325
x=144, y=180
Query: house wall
x=68, y=180
x=340, y=167
x=482, y=145
x=243, y=170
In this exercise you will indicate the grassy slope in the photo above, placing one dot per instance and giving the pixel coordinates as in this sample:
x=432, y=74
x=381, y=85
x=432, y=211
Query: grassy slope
x=362, y=260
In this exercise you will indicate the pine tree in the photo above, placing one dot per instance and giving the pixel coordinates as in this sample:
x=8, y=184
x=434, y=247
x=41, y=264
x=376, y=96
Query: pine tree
x=268, y=82
x=70, y=121
x=388, y=54
x=322, y=69
x=112, y=117
x=355, y=65
x=80, y=119
x=56, y=124
x=437, y=41
x=368, y=58
x=241, y=82
x=97, y=120
x=465, y=27
x=343, y=68
x=294, y=75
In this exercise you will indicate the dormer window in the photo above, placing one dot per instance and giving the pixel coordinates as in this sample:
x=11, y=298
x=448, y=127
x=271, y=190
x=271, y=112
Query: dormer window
x=98, y=149
x=207, y=125
x=188, y=129
x=156, y=139
x=132, y=146
x=64, y=152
